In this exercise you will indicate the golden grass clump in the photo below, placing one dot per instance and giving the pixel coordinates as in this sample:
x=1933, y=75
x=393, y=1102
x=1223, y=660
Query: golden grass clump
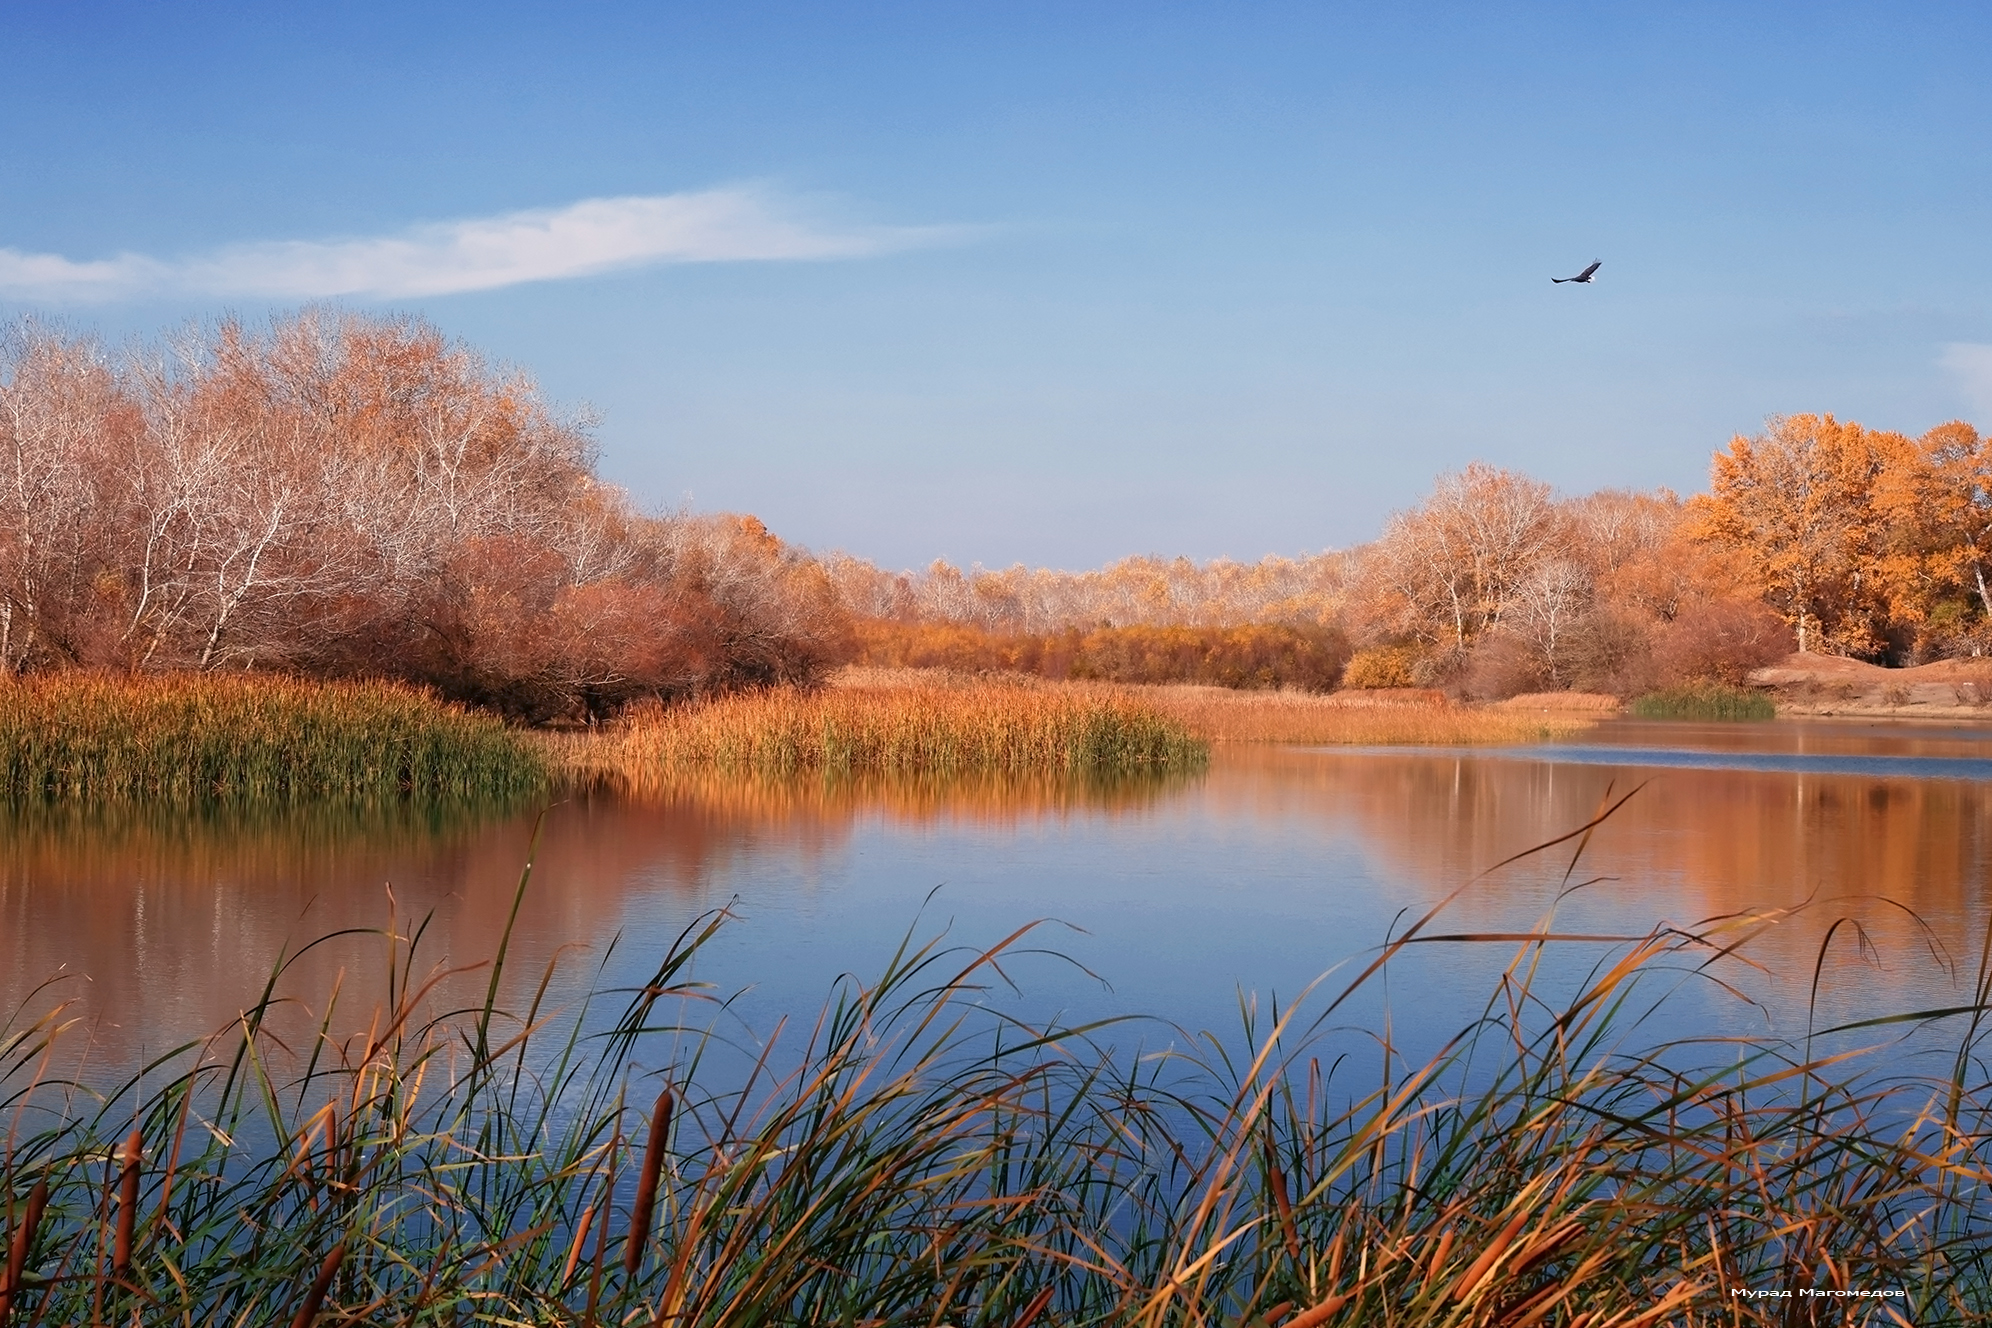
x=895, y=730
x=191, y=738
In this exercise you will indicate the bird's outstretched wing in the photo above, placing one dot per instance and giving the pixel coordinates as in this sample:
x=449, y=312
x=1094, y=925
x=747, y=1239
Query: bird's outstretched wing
x=1584, y=276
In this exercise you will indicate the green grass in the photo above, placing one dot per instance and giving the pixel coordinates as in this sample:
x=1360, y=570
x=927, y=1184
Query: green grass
x=911, y=1157
x=190, y=739
x=1706, y=700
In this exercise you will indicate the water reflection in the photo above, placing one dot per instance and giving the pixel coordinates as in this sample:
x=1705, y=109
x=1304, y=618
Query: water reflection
x=1907, y=858
x=160, y=928
x=1274, y=866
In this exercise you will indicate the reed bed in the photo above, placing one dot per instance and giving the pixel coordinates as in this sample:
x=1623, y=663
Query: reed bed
x=1711, y=700
x=911, y=1157
x=194, y=738
x=920, y=731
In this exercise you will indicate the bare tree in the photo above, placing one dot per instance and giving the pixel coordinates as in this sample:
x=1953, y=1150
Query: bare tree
x=1451, y=569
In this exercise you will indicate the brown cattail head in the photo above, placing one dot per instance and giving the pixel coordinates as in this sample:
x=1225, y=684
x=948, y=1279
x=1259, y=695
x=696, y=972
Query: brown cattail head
x=646, y=1184
x=580, y=1243
x=1472, y=1277
x=1282, y=1203
x=1320, y=1314
x=308, y=1310
x=134, y=1149
x=1272, y=1317
x=17, y=1252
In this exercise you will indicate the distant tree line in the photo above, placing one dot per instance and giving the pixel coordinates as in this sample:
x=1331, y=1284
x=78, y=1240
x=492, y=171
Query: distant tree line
x=1815, y=535
x=1145, y=591
x=1307, y=656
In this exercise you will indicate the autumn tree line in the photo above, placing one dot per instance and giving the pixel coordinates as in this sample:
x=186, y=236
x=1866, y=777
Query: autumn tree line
x=1815, y=535
x=345, y=496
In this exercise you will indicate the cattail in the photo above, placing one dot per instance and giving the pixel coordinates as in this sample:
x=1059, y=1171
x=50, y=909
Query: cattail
x=333, y=1178
x=580, y=1242
x=1438, y=1264
x=1320, y=1314
x=308, y=1311
x=1484, y=1265
x=17, y=1252
x=1277, y=1181
x=134, y=1149
x=646, y=1184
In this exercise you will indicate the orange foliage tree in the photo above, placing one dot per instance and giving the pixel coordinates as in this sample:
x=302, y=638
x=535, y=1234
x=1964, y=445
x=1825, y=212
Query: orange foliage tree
x=1800, y=500
x=1868, y=543
x=1938, y=503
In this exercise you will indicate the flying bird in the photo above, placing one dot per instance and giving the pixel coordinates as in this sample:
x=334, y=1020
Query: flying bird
x=1584, y=276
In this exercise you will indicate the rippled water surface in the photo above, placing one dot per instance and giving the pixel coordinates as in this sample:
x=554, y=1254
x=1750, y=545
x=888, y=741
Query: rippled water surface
x=1175, y=900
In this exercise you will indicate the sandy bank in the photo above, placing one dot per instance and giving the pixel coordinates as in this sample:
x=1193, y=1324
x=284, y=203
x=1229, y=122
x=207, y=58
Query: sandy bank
x=1810, y=684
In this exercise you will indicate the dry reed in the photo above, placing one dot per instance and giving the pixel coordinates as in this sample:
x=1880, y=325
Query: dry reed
x=203, y=738
x=949, y=731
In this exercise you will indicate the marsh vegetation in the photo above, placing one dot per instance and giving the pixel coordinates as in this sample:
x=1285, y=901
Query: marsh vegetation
x=191, y=739
x=913, y=1155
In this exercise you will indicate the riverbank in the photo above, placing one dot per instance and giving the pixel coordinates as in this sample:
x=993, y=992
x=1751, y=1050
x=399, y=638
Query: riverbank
x=1828, y=685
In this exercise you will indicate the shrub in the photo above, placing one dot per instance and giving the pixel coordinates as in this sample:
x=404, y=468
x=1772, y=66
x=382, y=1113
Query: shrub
x=1608, y=653
x=1383, y=666
x=1501, y=665
x=1720, y=641
x=1253, y=656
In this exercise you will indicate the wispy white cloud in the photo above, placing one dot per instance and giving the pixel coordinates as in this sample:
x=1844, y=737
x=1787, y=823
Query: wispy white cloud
x=1971, y=365
x=738, y=224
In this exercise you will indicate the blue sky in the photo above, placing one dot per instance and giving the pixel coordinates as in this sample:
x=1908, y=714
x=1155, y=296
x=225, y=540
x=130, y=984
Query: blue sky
x=1054, y=283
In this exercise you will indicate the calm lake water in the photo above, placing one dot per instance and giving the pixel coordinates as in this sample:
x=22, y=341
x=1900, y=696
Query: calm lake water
x=1175, y=901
